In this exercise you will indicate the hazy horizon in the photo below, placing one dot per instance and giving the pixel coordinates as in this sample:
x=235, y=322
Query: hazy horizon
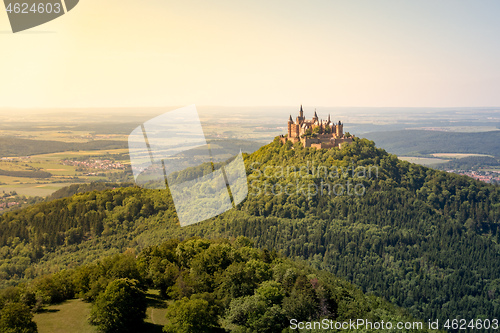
x=122, y=53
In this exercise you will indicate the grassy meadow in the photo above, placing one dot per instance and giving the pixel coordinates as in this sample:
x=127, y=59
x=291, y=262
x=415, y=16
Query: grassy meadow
x=72, y=316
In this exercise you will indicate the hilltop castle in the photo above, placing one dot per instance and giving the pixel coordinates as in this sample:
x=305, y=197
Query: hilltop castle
x=315, y=133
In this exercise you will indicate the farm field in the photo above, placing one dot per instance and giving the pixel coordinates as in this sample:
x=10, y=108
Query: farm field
x=61, y=174
x=34, y=190
x=46, y=134
x=427, y=161
x=71, y=154
x=458, y=155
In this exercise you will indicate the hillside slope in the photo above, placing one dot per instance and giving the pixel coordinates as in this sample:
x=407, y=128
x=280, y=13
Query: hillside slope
x=423, y=239
x=209, y=286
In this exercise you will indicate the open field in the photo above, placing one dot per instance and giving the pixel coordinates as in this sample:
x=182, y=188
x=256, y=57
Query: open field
x=47, y=134
x=71, y=317
x=155, y=314
x=72, y=154
x=34, y=190
x=457, y=155
x=423, y=160
x=62, y=175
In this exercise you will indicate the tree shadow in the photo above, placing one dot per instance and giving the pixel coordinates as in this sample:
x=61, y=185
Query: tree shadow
x=48, y=310
x=151, y=328
x=156, y=301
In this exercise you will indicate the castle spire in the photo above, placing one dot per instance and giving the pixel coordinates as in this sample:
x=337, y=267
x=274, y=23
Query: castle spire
x=301, y=114
x=290, y=120
x=315, y=114
x=328, y=118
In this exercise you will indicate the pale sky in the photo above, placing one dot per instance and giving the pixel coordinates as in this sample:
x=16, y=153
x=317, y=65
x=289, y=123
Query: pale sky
x=128, y=53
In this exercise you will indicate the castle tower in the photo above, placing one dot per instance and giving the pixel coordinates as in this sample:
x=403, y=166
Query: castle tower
x=290, y=123
x=315, y=118
x=301, y=113
x=339, y=131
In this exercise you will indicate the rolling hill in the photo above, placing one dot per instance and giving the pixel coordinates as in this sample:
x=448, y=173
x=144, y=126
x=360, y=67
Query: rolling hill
x=15, y=147
x=423, y=239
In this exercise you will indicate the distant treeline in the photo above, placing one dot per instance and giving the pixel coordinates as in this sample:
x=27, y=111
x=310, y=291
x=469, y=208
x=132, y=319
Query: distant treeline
x=82, y=188
x=26, y=173
x=107, y=156
x=24, y=147
x=469, y=163
x=414, y=142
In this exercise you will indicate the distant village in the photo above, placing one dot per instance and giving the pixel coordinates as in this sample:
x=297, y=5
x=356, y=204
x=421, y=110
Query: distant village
x=95, y=164
x=4, y=205
x=9, y=200
x=490, y=177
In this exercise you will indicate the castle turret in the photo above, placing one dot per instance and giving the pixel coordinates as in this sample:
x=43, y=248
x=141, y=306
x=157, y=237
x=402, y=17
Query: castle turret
x=301, y=113
x=339, y=129
x=315, y=118
x=290, y=124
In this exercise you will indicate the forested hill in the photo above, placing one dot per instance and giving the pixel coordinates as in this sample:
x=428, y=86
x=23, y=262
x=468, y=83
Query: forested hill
x=13, y=147
x=423, y=239
x=211, y=286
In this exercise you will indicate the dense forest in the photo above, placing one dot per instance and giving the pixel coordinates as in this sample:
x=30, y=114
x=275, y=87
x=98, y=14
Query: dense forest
x=26, y=173
x=423, y=239
x=87, y=187
x=211, y=286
